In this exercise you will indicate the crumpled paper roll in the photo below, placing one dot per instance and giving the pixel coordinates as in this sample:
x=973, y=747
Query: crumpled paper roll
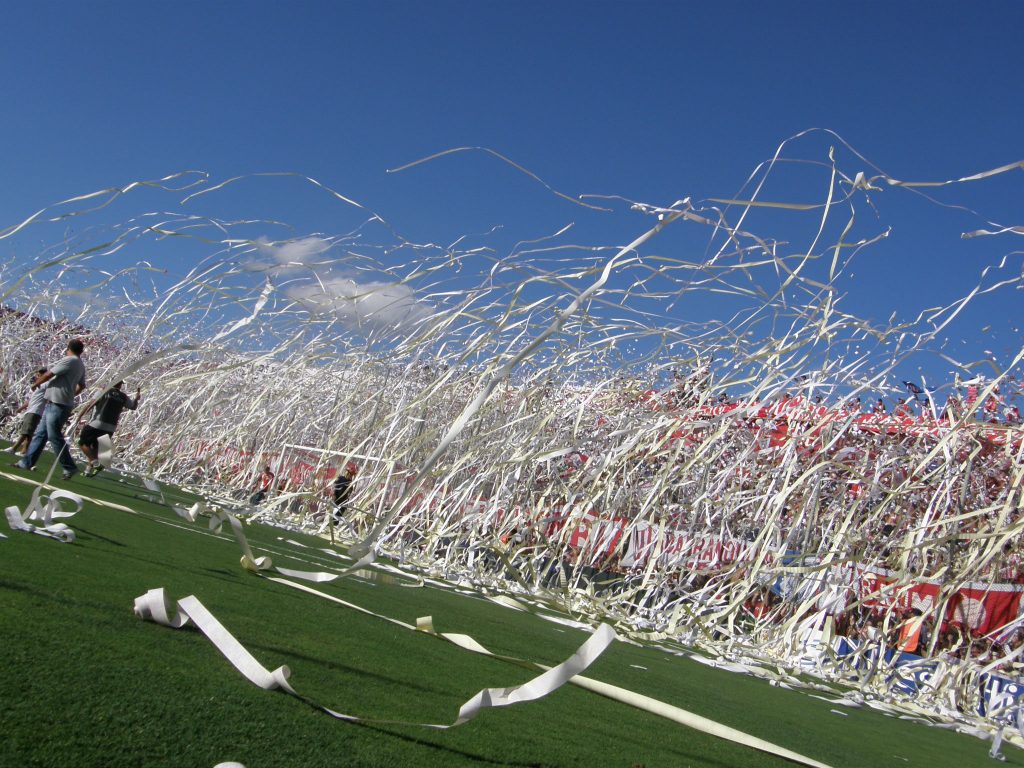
x=46, y=509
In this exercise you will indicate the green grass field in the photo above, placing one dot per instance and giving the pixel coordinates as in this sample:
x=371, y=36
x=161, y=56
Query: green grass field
x=87, y=683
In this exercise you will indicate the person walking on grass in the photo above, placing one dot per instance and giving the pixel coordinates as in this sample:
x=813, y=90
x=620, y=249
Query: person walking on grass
x=264, y=485
x=66, y=380
x=341, y=490
x=33, y=412
x=108, y=409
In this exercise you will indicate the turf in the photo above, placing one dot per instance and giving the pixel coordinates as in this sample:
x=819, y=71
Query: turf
x=87, y=683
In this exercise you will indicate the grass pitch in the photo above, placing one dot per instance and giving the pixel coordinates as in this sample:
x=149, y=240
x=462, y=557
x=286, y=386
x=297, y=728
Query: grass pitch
x=86, y=683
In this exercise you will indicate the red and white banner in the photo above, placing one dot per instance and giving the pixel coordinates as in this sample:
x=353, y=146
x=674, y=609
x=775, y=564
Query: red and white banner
x=978, y=606
x=681, y=550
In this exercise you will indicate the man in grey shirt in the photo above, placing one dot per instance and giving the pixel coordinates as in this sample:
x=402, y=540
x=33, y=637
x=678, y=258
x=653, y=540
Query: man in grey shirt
x=66, y=380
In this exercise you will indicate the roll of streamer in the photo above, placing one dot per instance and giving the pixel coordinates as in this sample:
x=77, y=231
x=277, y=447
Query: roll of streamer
x=105, y=450
x=44, y=510
x=55, y=531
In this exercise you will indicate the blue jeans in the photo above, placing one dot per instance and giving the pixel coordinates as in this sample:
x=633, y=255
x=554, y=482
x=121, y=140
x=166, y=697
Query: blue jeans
x=51, y=427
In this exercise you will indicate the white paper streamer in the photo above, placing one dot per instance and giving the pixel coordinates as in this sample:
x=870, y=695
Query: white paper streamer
x=46, y=509
x=153, y=606
x=105, y=451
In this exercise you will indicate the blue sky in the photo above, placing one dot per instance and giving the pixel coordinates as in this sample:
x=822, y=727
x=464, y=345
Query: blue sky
x=651, y=101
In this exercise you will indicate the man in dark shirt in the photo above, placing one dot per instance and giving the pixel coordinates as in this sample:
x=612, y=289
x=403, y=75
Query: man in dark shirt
x=108, y=409
x=264, y=484
x=343, y=489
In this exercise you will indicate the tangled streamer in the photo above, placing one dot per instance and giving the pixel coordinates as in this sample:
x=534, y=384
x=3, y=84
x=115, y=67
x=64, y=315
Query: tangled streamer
x=676, y=435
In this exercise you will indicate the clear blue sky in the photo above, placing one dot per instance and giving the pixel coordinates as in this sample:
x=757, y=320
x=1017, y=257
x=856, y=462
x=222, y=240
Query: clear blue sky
x=652, y=101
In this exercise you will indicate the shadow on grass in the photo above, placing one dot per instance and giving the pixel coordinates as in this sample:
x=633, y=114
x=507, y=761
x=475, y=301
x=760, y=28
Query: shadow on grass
x=386, y=730
x=221, y=573
x=14, y=586
x=91, y=534
x=345, y=668
x=481, y=759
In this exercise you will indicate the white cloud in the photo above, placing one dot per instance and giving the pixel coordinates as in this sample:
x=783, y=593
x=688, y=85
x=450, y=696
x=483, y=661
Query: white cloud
x=368, y=307
x=281, y=258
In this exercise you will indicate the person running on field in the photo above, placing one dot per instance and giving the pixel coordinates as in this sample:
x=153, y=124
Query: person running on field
x=343, y=489
x=108, y=409
x=32, y=408
x=66, y=381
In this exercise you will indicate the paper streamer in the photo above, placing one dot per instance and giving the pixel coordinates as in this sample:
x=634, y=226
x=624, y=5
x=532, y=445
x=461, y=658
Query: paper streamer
x=105, y=451
x=46, y=509
x=56, y=531
x=691, y=720
x=153, y=606
x=154, y=486
x=250, y=561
